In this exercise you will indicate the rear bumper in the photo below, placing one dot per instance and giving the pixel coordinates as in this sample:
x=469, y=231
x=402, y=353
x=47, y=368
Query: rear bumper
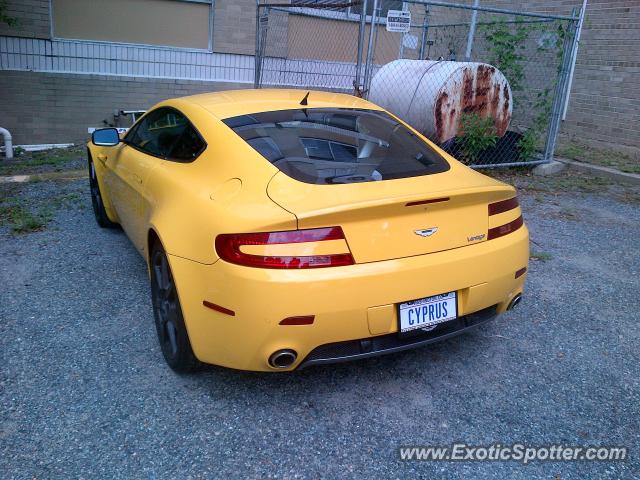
x=391, y=343
x=350, y=303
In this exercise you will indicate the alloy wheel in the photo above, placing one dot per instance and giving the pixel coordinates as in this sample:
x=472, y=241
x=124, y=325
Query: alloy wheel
x=166, y=304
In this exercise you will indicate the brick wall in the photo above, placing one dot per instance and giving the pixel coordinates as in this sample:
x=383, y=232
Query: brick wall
x=234, y=26
x=605, y=99
x=33, y=19
x=603, y=111
x=604, y=107
x=58, y=108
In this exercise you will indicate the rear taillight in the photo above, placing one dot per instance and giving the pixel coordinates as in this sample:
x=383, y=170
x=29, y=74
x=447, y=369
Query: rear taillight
x=229, y=248
x=503, y=206
x=505, y=229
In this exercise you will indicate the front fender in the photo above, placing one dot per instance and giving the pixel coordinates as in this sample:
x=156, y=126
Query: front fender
x=92, y=156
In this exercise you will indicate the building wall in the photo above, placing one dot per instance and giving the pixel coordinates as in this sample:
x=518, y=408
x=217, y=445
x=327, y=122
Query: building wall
x=603, y=110
x=33, y=19
x=234, y=26
x=604, y=107
x=151, y=22
x=58, y=108
x=605, y=100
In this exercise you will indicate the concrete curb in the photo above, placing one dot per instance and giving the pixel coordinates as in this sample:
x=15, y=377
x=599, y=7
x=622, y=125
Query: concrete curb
x=40, y=177
x=599, y=171
x=551, y=168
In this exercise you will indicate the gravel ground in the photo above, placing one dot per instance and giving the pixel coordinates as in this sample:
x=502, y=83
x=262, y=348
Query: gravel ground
x=85, y=392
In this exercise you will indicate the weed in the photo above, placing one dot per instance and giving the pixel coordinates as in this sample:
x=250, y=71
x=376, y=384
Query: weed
x=479, y=134
x=527, y=145
x=21, y=220
x=47, y=160
x=23, y=215
x=540, y=256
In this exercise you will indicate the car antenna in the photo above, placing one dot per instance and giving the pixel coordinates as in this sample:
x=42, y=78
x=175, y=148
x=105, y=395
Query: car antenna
x=304, y=100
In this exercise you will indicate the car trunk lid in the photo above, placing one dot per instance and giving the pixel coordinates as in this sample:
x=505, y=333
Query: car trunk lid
x=396, y=218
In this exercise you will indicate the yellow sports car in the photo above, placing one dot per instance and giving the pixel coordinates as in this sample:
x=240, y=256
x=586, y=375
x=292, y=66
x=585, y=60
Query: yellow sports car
x=286, y=228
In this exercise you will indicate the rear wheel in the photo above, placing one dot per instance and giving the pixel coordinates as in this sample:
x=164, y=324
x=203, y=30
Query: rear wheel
x=96, y=199
x=172, y=333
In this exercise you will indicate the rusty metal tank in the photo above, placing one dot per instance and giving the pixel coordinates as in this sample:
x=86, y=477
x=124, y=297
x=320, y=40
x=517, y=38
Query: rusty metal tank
x=431, y=96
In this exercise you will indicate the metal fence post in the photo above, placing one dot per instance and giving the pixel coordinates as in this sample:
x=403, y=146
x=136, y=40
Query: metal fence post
x=561, y=90
x=257, y=59
x=371, y=48
x=472, y=30
x=425, y=30
x=574, y=57
x=358, y=87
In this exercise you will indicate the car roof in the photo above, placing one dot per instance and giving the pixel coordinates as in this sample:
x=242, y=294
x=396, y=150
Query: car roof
x=232, y=103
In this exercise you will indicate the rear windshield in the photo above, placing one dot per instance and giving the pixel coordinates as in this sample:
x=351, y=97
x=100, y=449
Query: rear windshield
x=333, y=146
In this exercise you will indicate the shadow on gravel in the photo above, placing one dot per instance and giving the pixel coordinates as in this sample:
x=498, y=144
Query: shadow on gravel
x=434, y=363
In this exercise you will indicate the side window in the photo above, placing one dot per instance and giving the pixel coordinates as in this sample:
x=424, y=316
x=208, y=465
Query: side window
x=188, y=146
x=166, y=133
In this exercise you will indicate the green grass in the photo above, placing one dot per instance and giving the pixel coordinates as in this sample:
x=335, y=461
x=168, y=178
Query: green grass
x=596, y=156
x=22, y=216
x=562, y=182
x=566, y=182
x=20, y=219
x=540, y=256
x=46, y=160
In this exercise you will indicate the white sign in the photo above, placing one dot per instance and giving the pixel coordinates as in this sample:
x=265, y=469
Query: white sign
x=398, y=21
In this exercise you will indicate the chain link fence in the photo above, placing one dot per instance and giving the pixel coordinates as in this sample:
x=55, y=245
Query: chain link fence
x=313, y=46
x=486, y=84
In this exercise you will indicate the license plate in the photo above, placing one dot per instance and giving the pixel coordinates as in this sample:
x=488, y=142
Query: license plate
x=426, y=313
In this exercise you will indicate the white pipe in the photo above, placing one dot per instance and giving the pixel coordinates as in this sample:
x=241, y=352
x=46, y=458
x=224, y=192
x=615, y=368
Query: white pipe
x=574, y=57
x=8, y=143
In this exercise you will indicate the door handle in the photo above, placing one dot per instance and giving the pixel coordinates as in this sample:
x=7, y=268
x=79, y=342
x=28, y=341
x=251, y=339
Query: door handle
x=102, y=157
x=136, y=178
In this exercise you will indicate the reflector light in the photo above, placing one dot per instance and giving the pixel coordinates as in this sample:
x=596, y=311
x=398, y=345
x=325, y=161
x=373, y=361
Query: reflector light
x=305, y=320
x=228, y=248
x=218, y=308
x=505, y=229
x=521, y=272
x=503, y=206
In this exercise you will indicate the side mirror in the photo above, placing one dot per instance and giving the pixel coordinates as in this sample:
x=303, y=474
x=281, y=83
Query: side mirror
x=105, y=137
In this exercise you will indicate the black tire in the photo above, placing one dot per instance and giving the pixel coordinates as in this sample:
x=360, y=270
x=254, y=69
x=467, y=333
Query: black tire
x=172, y=333
x=96, y=199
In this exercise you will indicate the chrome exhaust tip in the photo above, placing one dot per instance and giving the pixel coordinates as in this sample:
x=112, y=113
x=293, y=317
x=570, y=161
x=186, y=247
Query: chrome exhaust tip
x=515, y=302
x=282, y=358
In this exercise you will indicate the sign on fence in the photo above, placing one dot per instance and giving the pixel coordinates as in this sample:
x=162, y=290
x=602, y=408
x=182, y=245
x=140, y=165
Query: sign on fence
x=398, y=21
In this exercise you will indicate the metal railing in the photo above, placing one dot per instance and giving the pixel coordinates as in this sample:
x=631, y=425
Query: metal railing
x=486, y=84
